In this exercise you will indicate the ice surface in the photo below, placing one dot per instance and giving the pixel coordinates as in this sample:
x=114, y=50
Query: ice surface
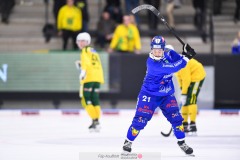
x=56, y=137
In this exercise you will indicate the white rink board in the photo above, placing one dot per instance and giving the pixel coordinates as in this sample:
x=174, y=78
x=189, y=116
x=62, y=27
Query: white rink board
x=52, y=136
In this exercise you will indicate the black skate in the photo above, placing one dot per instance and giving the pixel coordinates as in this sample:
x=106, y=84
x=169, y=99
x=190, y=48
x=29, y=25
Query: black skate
x=192, y=129
x=95, y=126
x=127, y=146
x=185, y=125
x=185, y=148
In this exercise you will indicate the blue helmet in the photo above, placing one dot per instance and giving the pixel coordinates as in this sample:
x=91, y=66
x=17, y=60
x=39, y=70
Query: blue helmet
x=158, y=42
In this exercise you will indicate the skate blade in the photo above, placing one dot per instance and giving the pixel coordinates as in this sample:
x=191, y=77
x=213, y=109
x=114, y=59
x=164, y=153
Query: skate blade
x=94, y=130
x=98, y=128
x=125, y=152
x=191, y=155
x=192, y=134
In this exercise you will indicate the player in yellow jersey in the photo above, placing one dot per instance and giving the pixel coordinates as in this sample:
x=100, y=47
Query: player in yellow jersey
x=91, y=77
x=126, y=37
x=190, y=80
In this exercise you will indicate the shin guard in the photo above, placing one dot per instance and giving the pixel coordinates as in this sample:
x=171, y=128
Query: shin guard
x=98, y=111
x=91, y=111
x=185, y=112
x=193, y=112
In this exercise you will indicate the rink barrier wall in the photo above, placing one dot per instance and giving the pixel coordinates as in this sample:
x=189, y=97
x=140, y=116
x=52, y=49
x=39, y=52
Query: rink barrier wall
x=44, y=72
x=126, y=73
x=105, y=112
x=226, y=88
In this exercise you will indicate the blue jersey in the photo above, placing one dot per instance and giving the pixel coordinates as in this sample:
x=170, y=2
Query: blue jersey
x=158, y=79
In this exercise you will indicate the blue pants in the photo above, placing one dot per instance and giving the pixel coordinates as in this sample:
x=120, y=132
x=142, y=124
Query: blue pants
x=145, y=108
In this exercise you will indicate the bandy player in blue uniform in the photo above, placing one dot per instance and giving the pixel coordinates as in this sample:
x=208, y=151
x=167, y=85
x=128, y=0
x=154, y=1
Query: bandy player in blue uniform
x=158, y=91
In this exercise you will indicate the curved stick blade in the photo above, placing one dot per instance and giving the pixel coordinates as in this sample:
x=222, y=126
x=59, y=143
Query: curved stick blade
x=167, y=134
x=146, y=6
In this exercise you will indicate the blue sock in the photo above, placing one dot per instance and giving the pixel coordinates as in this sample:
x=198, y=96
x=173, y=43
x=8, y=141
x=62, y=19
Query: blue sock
x=179, y=132
x=132, y=133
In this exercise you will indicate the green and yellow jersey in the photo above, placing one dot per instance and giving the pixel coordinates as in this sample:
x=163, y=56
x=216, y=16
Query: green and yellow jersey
x=69, y=18
x=193, y=72
x=91, y=63
x=126, y=38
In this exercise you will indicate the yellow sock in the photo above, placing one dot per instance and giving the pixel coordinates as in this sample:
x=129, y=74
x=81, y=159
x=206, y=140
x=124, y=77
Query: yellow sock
x=98, y=111
x=91, y=111
x=185, y=113
x=193, y=112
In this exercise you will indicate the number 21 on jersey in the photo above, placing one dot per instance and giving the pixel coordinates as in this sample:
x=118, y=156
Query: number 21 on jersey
x=146, y=98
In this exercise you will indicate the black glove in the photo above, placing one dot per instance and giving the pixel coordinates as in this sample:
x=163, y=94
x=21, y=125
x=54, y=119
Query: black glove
x=188, y=51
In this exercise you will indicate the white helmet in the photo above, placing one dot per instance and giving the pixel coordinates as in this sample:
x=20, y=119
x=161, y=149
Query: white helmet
x=84, y=36
x=169, y=46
